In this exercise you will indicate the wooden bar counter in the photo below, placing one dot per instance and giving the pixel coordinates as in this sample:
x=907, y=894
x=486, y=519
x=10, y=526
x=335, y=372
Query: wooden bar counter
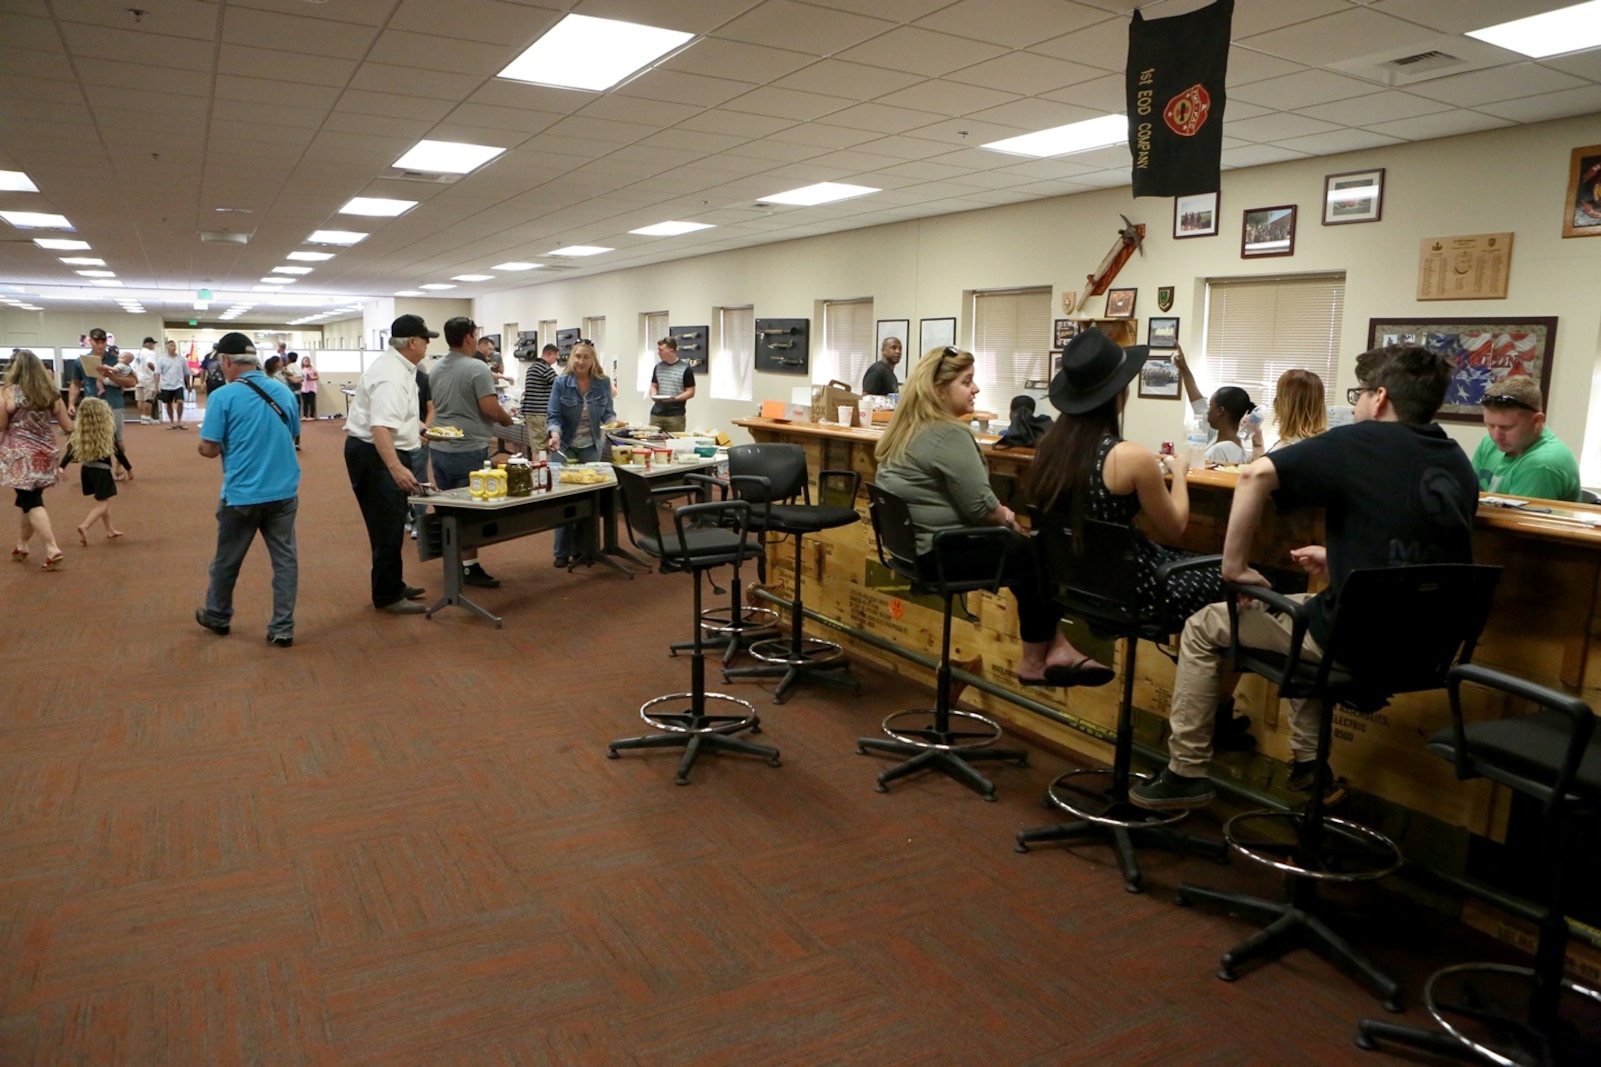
x=1544, y=628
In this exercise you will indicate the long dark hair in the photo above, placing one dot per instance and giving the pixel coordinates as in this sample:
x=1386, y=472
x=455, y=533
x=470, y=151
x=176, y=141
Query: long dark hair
x=1065, y=460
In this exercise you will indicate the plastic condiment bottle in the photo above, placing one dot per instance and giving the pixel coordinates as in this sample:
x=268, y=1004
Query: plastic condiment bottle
x=542, y=480
x=475, y=481
x=1195, y=441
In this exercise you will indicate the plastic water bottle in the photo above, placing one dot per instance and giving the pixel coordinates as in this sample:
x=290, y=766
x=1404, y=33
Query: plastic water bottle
x=1195, y=442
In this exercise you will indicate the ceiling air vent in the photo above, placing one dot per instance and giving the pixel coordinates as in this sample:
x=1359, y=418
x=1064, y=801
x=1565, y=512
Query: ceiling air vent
x=426, y=176
x=224, y=237
x=1423, y=60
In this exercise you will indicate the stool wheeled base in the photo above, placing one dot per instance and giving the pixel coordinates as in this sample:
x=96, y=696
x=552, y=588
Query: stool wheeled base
x=940, y=747
x=796, y=659
x=1104, y=814
x=696, y=732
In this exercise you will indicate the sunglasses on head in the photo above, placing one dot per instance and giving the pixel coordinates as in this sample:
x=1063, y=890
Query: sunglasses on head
x=1504, y=401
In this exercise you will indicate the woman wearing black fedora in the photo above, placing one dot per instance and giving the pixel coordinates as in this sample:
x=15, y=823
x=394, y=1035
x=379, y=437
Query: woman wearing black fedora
x=930, y=458
x=1084, y=469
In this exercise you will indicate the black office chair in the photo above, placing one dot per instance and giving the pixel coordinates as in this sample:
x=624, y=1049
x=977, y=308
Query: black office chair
x=703, y=536
x=1492, y=1012
x=771, y=478
x=1397, y=630
x=964, y=561
x=1094, y=575
x=735, y=627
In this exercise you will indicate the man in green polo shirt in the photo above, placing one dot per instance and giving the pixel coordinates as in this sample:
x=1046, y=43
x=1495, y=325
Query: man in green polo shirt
x=1519, y=455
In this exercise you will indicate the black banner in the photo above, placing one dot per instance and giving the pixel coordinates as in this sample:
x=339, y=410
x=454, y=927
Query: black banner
x=1175, y=74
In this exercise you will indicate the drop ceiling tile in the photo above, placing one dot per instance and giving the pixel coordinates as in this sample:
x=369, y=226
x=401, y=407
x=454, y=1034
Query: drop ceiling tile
x=291, y=33
x=878, y=118
x=1459, y=16
x=657, y=113
x=1498, y=83
x=682, y=88
x=1277, y=127
x=1247, y=67
x=921, y=52
x=1251, y=19
x=275, y=92
x=1053, y=169
x=1035, y=114
x=1256, y=155
x=29, y=34
x=854, y=161
x=693, y=140
x=403, y=132
x=1016, y=24
x=13, y=88
x=1568, y=103
x=1445, y=124
x=237, y=137
x=855, y=81
x=787, y=103
x=403, y=49
x=601, y=130
x=248, y=110
x=362, y=12
x=517, y=121
x=1302, y=90
x=98, y=42
x=1103, y=45
x=902, y=147
x=1343, y=35
x=649, y=159
x=984, y=179
x=289, y=66
x=1332, y=144
x=498, y=92
x=739, y=60
x=1106, y=95
x=923, y=171
x=955, y=134
x=817, y=31
x=179, y=18
x=1379, y=107
x=1586, y=65
x=735, y=123
x=139, y=76
x=146, y=101
x=1026, y=74
x=510, y=26
x=415, y=109
x=41, y=66
x=946, y=97
x=413, y=81
x=776, y=151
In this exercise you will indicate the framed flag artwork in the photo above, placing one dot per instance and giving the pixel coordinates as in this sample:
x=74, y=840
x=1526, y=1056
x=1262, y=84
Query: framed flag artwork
x=1482, y=351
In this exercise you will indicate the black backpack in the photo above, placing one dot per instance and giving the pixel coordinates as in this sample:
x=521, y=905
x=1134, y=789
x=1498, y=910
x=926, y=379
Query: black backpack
x=1026, y=428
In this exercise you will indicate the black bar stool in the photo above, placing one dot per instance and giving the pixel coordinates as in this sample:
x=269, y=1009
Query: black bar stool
x=698, y=542
x=735, y=627
x=1094, y=575
x=1397, y=630
x=771, y=478
x=965, y=561
x=1493, y=1012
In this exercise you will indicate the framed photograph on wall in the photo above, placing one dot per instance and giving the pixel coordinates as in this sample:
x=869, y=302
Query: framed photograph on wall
x=1483, y=350
x=1582, y=214
x=1268, y=231
x=1159, y=378
x=1162, y=333
x=1120, y=303
x=934, y=333
x=1356, y=196
x=1195, y=215
x=1065, y=330
x=900, y=329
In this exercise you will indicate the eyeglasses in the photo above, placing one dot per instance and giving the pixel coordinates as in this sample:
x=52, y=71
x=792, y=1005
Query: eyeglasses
x=1504, y=401
x=1354, y=394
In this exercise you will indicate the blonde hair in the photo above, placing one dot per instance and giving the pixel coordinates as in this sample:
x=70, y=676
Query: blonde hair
x=31, y=381
x=94, y=434
x=922, y=402
x=1298, y=406
x=595, y=369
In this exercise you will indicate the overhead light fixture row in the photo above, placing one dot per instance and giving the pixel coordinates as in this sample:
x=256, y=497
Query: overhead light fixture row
x=1568, y=29
x=36, y=220
x=333, y=237
x=820, y=193
x=310, y=257
x=14, y=181
x=580, y=250
x=1083, y=136
x=382, y=207
x=447, y=157
x=583, y=52
x=514, y=266
x=672, y=229
x=472, y=277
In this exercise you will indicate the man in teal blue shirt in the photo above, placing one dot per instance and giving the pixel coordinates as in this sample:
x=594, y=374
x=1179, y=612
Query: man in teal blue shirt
x=1519, y=456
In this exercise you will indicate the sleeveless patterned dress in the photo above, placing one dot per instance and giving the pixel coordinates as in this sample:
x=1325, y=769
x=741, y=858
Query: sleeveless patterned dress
x=1187, y=593
x=28, y=448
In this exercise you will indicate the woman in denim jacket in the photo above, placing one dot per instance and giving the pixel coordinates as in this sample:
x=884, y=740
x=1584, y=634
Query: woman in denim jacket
x=580, y=404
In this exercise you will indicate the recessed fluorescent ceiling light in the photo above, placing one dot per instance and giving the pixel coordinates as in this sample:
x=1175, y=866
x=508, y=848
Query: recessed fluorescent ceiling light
x=61, y=244
x=291, y=270
x=96, y=273
x=471, y=277
x=821, y=193
x=1569, y=29
x=310, y=257
x=335, y=237
x=671, y=229
x=447, y=157
x=14, y=181
x=436, y=285
x=579, y=250
x=514, y=266
x=36, y=220
x=113, y=283
x=279, y=281
x=410, y=292
x=1062, y=140
x=582, y=52
x=378, y=206
x=83, y=261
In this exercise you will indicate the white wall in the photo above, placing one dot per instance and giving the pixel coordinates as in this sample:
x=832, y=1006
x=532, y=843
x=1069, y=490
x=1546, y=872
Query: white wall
x=1505, y=180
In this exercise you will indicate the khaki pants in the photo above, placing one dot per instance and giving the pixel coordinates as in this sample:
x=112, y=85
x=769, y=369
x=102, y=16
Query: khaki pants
x=669, y=423
x=537, y=433
x=1200, y=669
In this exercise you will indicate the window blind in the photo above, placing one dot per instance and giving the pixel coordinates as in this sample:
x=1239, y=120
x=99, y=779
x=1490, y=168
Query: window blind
x=733, y=370
x=848, y=336
x=1011, y=341
x=1258, y=328
x=595, y=330
x=655, y=326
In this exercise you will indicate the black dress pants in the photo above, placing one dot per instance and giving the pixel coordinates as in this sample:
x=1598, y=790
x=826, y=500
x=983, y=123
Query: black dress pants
x=384, y=510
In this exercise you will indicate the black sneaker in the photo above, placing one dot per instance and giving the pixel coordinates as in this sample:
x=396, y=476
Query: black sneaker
x=218, y=628
x=473, y=574
x=1172, y=792
x=1303, y=776
x=277, y=641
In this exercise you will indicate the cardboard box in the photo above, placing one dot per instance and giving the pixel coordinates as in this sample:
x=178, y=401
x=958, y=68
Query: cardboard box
x=828, y=399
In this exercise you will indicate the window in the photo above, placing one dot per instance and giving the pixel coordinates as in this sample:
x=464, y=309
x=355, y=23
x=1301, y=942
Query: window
x=848, y=336
x=1011, y=341
x=734, y=367
x=654, y=326
x=1258, y=328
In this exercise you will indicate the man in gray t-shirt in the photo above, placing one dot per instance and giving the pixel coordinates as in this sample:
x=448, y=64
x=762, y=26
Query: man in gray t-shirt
x=463, y=391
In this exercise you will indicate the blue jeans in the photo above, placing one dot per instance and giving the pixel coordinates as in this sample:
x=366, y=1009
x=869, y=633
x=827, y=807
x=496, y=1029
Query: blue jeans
x=567, y=536
x=452, y=468
x=236, y=529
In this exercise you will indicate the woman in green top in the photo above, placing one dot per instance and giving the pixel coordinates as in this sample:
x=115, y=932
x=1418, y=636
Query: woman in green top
x=930, y=459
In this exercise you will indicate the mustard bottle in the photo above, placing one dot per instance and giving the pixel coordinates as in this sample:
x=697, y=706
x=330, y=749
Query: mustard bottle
x=476, y=480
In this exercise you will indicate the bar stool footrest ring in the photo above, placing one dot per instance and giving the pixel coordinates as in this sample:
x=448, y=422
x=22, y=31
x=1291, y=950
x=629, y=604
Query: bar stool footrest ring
x=1099, y=806
x=947, y=740
x=687, y=722
x=1489, y=1009
x=726, y=620
x=1349, y=852
x=812, y=650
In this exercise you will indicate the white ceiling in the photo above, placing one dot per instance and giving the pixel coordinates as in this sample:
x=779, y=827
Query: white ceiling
x=139, y=131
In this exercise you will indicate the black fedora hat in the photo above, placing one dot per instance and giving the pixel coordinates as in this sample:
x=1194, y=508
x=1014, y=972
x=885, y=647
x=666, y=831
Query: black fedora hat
x=1094, y=370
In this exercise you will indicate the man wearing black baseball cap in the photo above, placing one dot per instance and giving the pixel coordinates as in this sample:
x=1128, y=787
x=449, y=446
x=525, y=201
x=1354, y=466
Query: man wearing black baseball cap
x=248, y=424
x=382, y=432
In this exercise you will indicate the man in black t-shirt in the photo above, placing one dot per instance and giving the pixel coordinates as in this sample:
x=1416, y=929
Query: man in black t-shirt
x=880, y=377
x=1395, y=490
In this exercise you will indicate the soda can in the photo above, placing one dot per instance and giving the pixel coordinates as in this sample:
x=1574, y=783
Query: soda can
x=1167, y=448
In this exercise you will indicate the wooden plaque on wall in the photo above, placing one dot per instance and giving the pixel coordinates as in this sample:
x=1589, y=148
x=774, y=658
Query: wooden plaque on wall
x=1467, y=267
